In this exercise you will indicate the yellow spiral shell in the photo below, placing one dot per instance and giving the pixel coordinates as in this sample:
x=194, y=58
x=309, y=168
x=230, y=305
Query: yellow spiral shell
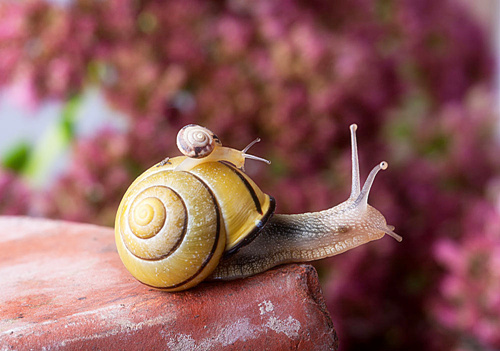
x=172, y=227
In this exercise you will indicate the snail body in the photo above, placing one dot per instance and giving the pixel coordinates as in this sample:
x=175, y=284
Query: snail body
x=200, y=216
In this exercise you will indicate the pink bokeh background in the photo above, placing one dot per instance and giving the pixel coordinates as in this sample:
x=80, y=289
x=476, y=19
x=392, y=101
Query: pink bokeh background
x=417, y=76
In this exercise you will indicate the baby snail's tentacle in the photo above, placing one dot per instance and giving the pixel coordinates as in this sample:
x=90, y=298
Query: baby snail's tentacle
x=250, y=145
x=313, y=236
x=252, y=157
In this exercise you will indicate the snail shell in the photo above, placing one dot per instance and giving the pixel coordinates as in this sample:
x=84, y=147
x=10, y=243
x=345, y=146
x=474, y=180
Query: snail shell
x=196, y=141
x=172, y=227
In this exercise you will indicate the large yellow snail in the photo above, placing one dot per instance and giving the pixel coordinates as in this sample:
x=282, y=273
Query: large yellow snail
x=200, y=216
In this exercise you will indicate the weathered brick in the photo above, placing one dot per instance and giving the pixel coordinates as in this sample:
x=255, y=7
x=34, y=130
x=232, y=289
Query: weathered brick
x=63, y=286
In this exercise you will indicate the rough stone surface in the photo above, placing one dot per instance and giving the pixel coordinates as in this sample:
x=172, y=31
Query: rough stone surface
x=63, y=286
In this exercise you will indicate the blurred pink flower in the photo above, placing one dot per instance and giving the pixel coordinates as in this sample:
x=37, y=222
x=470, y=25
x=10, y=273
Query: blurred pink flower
x=15, y=196
x=23, y=94
x=469, y=303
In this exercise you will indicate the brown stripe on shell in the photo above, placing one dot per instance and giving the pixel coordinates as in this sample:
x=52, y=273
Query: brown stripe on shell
x=249, y=187
x=258, y=228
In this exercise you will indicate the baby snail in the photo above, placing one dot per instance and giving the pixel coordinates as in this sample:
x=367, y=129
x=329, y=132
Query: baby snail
x=199, y=216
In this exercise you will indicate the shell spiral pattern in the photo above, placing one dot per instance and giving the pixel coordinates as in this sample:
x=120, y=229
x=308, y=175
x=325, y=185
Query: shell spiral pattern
x=170, y=232
x=196, y=141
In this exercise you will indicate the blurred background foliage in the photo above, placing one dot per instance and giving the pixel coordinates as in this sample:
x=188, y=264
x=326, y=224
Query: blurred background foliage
x=415, y=75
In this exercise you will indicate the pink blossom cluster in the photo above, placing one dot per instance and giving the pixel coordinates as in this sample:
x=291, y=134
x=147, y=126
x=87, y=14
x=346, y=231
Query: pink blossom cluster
x=468, y=301
x=43, y=50
x=433, y=197
x=14, y=195
x=413, y=74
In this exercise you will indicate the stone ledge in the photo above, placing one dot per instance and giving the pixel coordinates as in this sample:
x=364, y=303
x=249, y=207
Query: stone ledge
x=64, y=287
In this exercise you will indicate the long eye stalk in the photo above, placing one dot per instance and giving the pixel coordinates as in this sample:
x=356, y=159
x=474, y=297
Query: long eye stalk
x=355, y=187
x=358, y=195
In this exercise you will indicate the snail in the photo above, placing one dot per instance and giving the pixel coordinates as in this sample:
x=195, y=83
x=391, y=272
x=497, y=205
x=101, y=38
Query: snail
x=200, y=217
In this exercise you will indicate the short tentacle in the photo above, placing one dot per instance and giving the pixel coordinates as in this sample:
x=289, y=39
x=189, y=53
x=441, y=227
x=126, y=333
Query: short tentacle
x=362, y=199
x=389, y=231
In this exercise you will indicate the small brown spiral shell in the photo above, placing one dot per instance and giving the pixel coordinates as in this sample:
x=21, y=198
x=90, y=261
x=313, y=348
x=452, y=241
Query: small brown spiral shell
x=196, y=141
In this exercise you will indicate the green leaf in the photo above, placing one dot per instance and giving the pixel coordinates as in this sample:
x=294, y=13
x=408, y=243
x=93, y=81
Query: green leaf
x=17, y=157
x=53, y=144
